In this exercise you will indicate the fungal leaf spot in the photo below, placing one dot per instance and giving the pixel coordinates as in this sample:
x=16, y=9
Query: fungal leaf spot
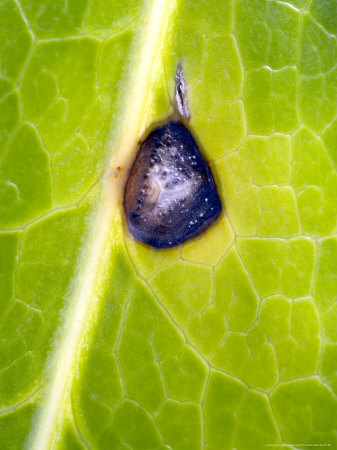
x=170, y=194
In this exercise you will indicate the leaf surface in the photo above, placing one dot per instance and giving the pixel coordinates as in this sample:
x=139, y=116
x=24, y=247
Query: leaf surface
x=228, y=341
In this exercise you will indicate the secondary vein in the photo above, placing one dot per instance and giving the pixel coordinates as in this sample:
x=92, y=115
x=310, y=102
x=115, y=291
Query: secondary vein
x=160, y=13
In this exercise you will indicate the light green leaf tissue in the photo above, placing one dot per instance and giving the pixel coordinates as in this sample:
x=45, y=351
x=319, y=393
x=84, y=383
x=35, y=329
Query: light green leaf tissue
x=228, y=341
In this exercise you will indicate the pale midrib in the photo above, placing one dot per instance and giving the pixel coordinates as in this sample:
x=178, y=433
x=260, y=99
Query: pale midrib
x=160, y=12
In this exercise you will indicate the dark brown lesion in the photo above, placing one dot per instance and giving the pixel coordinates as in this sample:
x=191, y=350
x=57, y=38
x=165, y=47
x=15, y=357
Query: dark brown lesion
x=181, y=217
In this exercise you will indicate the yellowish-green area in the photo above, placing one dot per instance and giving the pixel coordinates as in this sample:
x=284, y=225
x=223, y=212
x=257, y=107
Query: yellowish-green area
x=226, y=342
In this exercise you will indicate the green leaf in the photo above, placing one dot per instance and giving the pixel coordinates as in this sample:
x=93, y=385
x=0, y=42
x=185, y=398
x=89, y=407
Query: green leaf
x=230, y=340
